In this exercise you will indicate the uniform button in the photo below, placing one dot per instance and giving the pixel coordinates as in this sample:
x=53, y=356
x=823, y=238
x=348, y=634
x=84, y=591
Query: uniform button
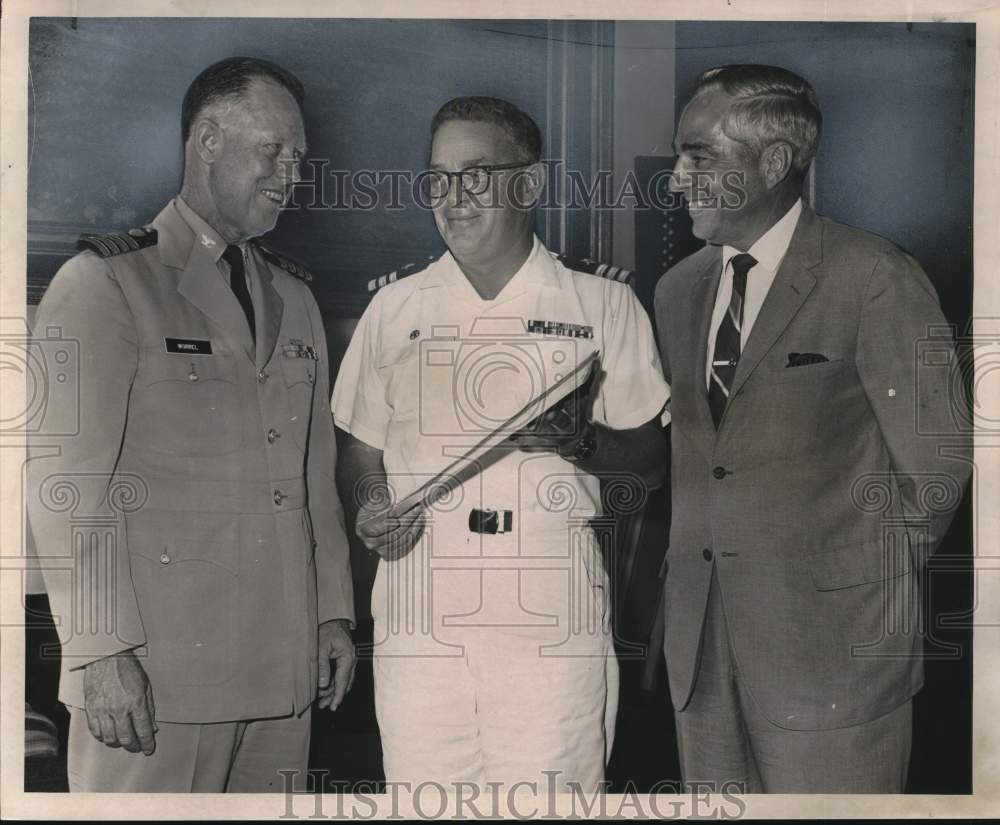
x=261, y=376
x=719, y=472
x=164, y=558
x=706, y=554
x=279, y=496
x=272, y=435
x=192, y=377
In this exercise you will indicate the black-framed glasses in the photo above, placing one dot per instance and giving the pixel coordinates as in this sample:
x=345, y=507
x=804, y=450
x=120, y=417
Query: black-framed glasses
x=474, y=181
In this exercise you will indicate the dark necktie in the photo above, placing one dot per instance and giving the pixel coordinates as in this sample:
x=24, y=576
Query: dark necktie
x=727, y=343
x=238, y=281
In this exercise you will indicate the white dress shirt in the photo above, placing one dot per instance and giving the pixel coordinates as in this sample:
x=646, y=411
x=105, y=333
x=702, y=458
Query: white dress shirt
x=769, y=251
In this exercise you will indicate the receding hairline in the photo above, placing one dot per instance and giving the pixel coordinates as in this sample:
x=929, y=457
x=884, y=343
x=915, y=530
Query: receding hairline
x=231, y=99
x=505, y=133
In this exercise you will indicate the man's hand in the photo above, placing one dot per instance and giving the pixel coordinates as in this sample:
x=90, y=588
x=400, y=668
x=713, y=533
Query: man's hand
x=335, y=643
x=392, y=538
x=118, y=700
x=560, y=428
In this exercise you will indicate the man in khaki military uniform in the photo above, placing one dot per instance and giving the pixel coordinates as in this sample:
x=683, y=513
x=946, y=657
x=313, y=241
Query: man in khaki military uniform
x=196, y=630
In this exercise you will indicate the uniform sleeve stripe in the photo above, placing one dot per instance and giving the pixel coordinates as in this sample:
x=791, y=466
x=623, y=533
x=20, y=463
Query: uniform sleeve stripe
x=114, y=243
x=102, y=247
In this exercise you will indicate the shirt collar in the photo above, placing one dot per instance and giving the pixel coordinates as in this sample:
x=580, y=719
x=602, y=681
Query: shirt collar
x=773, y=244
x=538, y=266
x=205, y=237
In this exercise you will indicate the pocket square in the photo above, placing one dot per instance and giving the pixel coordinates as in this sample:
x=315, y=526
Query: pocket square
x=802, y=359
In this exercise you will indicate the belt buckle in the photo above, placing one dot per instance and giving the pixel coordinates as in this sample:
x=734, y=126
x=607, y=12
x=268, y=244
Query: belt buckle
x=490, y=521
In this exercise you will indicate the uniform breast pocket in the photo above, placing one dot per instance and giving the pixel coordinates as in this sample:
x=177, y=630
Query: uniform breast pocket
x=399, y=369
x=300, y=383
x=187, y=404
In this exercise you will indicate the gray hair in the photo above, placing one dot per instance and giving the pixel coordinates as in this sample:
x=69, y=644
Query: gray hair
x=769, y=104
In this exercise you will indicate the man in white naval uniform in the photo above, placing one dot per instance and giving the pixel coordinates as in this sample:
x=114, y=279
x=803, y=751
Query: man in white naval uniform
x=493, y=658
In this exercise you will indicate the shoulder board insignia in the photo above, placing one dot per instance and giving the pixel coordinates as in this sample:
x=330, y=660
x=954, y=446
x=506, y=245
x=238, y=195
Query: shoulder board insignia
x=375, y=284
x=591, y=267
x=284, y=262
x=117, y=243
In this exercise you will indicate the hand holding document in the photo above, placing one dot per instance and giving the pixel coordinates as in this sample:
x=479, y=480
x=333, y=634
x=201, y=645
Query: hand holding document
x=448, y=478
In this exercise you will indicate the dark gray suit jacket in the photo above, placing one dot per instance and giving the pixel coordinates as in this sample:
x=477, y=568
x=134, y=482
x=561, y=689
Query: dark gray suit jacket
x=825, y=486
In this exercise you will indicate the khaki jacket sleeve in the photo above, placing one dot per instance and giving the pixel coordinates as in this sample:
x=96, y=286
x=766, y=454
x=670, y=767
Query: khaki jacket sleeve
x=335, y=588
x=85, y=353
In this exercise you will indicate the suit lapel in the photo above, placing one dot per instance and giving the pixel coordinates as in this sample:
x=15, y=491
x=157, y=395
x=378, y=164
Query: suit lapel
x=269, y=311
x=702, y=302
x=204, y=287
x=791, y=287
x=201, y=283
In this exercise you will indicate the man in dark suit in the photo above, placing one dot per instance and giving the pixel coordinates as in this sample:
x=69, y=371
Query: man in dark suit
x=803, y=500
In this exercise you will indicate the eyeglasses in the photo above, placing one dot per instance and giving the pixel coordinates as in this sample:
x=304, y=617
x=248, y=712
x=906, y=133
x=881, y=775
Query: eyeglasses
x=474, y=181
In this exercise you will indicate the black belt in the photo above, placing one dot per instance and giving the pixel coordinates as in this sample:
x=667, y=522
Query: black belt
x=490, y=521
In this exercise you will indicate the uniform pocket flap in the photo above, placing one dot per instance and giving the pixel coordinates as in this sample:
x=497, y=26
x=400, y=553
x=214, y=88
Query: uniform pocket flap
x=193, y=369
x=222, y=554
x=391, y=356
x=860, y=563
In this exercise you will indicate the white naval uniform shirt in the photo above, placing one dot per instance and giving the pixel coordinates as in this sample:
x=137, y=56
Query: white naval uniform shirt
x=432, y=367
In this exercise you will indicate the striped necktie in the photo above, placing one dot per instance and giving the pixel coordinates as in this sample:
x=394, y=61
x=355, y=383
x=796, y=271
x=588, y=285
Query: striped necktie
x=727, y=342
x=238, y=281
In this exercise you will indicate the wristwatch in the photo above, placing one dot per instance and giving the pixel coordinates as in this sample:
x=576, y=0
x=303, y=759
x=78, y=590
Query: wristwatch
x=586, y=446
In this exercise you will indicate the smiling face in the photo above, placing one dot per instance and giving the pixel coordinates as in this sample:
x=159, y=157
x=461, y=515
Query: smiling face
x=254, y=149
x=727, y=196
x=482, y=229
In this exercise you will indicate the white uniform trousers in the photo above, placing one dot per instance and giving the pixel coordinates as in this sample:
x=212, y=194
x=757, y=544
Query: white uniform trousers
x=500, y=711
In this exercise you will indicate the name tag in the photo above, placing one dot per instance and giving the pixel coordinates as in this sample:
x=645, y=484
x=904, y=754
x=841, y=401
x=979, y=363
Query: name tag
x=560, y=328
x=188, y=346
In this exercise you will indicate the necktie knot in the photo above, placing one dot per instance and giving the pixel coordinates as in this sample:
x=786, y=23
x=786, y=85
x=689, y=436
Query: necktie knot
x=234, y=257
x=742, y=264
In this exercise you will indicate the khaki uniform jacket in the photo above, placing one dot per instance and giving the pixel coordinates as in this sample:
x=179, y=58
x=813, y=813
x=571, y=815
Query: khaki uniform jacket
x=194, y=516
x=825, y=486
